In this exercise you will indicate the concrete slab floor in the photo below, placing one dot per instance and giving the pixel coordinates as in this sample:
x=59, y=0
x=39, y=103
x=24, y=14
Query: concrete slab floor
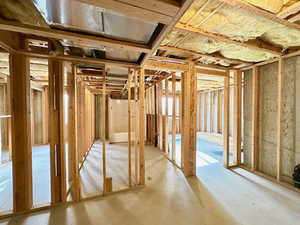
x=91, y=175
x=216, y=196
x=40, y=178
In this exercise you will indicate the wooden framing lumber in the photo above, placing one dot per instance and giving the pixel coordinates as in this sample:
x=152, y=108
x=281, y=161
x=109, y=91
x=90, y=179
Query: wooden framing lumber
x=159, y=114
x=198, y=54
x=174, y=117
x=151, y=64
x=136, y=128
x=73, y=135
x=185, y=4
x=255, y=118
x=261, y=46
x=211, y=111
x=188, y=143
x=212, y=72
x=237, y=115
x=56, y=137
x=45, y=114
x=219, y=111
x=255, y=11
x=279, y=116
x=294, y=18
x=154, y=11
x=226, y=122
x=75, y=59
x=142, y=126
x=129, y=126
x=294, y=8
x=103, y=136
x=166, y=128
x=21, y=135
x=89, y=40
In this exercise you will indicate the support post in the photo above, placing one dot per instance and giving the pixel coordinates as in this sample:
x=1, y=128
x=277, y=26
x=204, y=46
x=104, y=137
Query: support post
x=21, y=134
x=73, y=154
x=56, y=89
x=226, y=121
x=237, y=116
x=188, y=161
x=255, y=117
x=142, y=126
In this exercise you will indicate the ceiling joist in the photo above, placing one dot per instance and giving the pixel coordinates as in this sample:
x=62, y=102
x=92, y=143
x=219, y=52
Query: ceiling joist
x=197, y=54
x=166, y=29
x=261, y=13
x=256, y=45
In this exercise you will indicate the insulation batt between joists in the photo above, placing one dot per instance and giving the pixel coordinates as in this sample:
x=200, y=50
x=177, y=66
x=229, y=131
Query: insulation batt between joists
x=208, y=45
x=234, y=23
x=273, y=6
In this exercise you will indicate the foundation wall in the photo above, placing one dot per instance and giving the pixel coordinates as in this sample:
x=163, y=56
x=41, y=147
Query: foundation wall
x=268, y=112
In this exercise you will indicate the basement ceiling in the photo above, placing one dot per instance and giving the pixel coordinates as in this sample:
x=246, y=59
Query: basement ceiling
x=217, y=17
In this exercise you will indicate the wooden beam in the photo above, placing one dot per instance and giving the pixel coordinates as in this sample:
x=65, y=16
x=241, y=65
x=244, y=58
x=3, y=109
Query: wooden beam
x=21, y=134
x=9, y=41
x=56, y=134
x=198, y=54
x=169, y=59
x=142, y=126
x=255, y=118
x=154, y=11
x=237, y=115
x=294, y=18
x=75, y=59
x=279, y=117
x=255, y=45
x=212, y=72
x=90, y=40
x=165, y=66
x=255, y=11
x=212, y=67
x=226, y=122
x=294, y=8
x=185, y=4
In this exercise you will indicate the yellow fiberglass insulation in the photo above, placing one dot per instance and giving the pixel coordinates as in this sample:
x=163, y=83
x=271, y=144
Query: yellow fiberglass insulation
x=208, y=45
x=239, y=24
x=273, y=6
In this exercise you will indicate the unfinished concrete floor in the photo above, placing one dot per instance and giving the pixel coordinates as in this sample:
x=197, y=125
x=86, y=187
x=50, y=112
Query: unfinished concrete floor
x=91, y=174
x=40, y=178
x=216, y=196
